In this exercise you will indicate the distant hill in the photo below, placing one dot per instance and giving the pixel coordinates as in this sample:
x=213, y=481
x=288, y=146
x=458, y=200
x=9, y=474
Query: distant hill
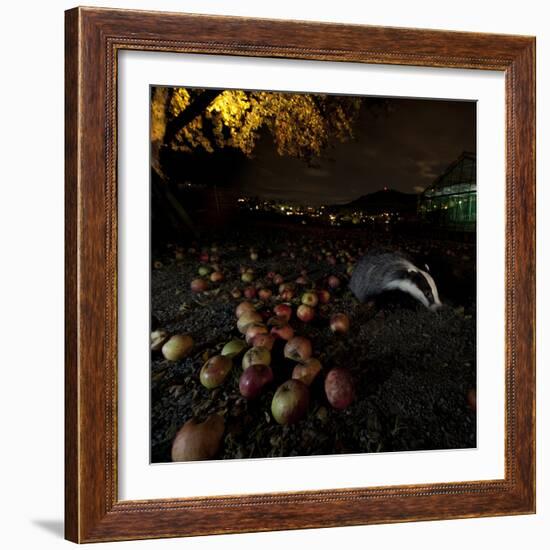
x=379, y=201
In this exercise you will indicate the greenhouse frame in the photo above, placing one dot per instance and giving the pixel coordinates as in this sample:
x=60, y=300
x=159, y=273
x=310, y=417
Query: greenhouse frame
x=450, y=201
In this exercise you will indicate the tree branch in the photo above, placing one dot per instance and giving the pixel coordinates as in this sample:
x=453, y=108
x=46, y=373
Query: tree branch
x=187, y=115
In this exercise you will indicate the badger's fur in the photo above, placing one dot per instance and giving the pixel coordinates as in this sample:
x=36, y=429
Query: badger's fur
x=378, y=272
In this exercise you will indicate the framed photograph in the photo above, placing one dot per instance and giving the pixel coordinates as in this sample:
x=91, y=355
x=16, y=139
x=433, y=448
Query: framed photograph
x=300, y=275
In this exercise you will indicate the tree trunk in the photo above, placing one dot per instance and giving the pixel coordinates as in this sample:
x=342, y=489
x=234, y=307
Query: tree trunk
x=172, y=128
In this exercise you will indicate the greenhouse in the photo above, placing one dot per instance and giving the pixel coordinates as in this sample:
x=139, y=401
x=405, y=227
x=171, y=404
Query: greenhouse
x=450, y=202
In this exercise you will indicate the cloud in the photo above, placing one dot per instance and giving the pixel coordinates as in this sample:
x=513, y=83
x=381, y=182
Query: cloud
x=428, y=168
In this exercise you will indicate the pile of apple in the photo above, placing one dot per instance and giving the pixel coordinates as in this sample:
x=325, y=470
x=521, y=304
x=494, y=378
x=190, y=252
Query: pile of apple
x=291, y=399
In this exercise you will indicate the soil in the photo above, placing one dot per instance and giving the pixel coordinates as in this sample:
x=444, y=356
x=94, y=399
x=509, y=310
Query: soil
x=413, y=368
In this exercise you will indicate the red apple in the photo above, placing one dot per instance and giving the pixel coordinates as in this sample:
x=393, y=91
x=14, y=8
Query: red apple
x=339, y=388
x=198, y=441
x=254, y=379
x=249, y=292
x=216, y=277
x=301, y=280
x=284, y=332
x=283, y=310
x=323, y=296
x=298, y=349
x=290, y=402
x=333, y=281
x=305, y=313
x=339, y=323
x=199, y=285
x=278, y=279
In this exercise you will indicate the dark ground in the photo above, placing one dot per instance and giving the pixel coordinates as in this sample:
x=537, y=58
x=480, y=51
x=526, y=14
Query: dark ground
x=412, y=367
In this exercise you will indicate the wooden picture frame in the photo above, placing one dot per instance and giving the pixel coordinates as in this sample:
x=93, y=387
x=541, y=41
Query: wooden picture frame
x=93, y=39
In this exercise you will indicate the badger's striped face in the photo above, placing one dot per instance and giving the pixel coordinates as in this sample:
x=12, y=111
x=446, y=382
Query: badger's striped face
x=420, y=285
x=426, y=285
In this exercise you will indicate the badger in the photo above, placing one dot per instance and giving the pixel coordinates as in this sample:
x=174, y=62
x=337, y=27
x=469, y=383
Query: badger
x=378, y=272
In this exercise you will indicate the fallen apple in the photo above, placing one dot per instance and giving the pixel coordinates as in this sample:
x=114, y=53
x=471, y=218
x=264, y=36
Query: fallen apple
x=324, y=296
x=158, y=338
x=244, y=307
x=298, y=349
x=203, y=270
x=333, y=281
x=264, y=294
x=256, y=356
x=215, y=371
x=283, y=310
x=305, y=313
x=254, y=379
x=246, y=319
x=198, y=441
x=249, y=292
x=310, y=299
x=285, y=286
x=236, y=293
x=290, y=402
x=284, y=331
x=216, y=277
x=339, y=388
x=307, y=371
x=287, y=294
x=263, y=341
x=177, y=347
x=233, y=348
x=199, y=285
x=339, y=323
x=247, y=277
x=254, y=329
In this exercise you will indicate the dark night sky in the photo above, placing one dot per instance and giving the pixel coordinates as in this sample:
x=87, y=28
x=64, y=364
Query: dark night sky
x=404, y=148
